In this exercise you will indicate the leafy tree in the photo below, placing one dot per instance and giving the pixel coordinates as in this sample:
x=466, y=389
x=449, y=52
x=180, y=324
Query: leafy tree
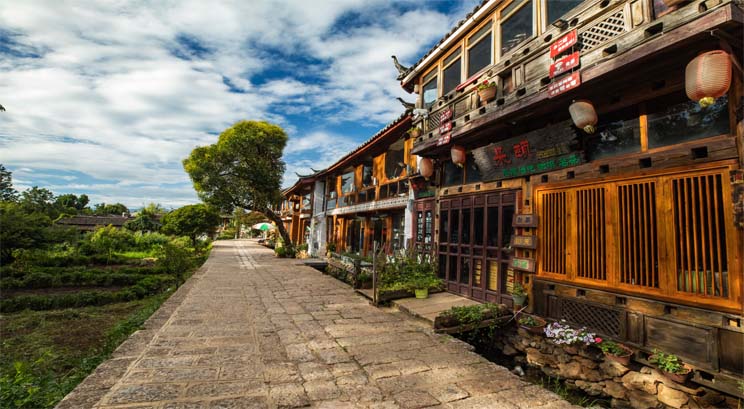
x=20, y=229
x=243, y=169
x=39, y=200
x=7, y=193
x=143, y=222
x=73, y=202
x=103, y=209
x=191, y=221
x=153, y=209
x=254, y=218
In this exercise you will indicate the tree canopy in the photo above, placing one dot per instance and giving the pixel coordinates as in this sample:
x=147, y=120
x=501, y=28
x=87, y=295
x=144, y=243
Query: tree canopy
x=243, y=169
x=191, y=221
x=7, y=193
x=103, y=209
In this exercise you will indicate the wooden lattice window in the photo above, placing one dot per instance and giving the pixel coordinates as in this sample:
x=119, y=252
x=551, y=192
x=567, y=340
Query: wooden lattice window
x=639, y=253
x=667, y=236
x=553, y=244
x=591, y=232
x=700, y=236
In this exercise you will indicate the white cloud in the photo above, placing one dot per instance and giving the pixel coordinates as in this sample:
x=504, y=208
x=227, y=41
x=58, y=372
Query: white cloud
x=123, y=91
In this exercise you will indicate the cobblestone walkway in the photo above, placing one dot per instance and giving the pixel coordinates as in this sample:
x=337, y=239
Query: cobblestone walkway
x=252, y=331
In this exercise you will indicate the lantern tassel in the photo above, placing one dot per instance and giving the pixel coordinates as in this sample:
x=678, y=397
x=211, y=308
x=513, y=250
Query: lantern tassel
x=706, y=102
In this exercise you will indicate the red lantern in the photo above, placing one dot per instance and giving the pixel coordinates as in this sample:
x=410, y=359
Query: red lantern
x=708, y=77
x=458, y=155
x=583, y=114
x=426, y=167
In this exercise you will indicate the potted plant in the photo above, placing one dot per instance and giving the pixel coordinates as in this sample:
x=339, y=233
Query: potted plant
x=615, y=351
x=532, y=324
x=414, y=132
x=421, y=283
x=560, y=333
x=519, y=294
x=671, y=366
x=486, y=91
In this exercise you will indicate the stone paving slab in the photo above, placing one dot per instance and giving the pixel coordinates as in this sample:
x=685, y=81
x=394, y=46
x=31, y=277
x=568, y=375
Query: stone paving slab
x=249, y=330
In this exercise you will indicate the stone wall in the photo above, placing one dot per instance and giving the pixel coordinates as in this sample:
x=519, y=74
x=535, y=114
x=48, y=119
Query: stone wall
x=585, y=368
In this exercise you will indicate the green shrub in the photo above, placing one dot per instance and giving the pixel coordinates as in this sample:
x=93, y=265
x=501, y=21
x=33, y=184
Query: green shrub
x=149, y=241
x=175, y=259
x=107, y=240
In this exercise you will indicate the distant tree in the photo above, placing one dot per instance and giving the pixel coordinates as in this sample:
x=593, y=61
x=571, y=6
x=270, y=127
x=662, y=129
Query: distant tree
x=20, y=229
x=191, y=221
x=103, y=209
x=71, y=202
x=153, y=209
x=7, y=193
x=243, y=169
x=39, y=200
x=143, y=222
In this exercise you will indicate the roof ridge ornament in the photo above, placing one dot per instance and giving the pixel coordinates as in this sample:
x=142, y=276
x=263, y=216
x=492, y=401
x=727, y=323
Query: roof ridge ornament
x=402, y=70
x=409, y=106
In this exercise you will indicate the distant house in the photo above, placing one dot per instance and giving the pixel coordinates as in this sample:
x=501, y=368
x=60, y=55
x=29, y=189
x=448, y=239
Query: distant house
x=90, y=223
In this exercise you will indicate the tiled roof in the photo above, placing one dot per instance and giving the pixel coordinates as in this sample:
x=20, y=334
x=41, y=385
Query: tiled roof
x=446, y=36
x=94, y=220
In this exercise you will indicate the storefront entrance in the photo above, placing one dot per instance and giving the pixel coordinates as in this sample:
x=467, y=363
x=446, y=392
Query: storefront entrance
x=474, y=234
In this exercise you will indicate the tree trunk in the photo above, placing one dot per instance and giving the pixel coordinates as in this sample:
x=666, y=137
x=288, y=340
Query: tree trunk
x=279, y=225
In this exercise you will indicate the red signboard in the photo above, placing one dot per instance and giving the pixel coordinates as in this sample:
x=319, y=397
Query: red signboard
x=445, y=115
x=445, y=127
x=564, y=84
x=564, y=64
x=564, y=43
x=444, y=139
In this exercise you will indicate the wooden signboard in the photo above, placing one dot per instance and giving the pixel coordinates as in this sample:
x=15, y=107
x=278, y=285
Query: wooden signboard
x=445, y=115
x=564, y=43
x=522, y=264
x=564, y=84
x=542, y=150
x=564, y=64
x=524, y=242
x=509, y=280
x=524, y=220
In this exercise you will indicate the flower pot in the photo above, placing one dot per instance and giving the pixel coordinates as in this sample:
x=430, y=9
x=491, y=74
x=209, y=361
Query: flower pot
x=673, y=376
x=487, y=94
x=624, y=359
x=537, y=329
x=519, y=299
x=421, y=294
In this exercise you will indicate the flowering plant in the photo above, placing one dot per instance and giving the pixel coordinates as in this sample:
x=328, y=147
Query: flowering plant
x=486, y=85
x=562, y=334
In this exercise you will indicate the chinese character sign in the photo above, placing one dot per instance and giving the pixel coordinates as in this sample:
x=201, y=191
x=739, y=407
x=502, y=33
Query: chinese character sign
x=542, y=150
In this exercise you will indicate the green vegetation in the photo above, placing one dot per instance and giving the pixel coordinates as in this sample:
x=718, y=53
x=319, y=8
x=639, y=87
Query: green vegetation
x=613, y=348
x=528, y=321
x=667, y=362
x=191, y=221
x=472, y=314
x=408, y=272
x=243, y=170
x=69, y=298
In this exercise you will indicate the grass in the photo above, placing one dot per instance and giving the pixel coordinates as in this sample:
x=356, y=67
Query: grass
x=45, y=354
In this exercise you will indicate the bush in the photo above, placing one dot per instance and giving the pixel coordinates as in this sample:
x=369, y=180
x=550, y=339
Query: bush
x=175, y=258
x=107, y=240
x=149, y=241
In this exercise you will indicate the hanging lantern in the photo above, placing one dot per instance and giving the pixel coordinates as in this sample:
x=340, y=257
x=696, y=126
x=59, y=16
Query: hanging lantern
x=708, y=77
x=458, y=155
x=583, y=114
x=426, y=168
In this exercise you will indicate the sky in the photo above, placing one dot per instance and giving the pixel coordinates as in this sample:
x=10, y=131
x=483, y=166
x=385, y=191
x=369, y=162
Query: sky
x=107, y=98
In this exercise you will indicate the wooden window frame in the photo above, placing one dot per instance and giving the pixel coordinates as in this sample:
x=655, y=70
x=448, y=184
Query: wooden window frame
x=467, y=45
x=536, y=25
x=667, y=275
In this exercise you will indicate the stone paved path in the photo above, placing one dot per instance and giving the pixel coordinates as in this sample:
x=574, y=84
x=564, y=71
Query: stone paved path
x=252, y=331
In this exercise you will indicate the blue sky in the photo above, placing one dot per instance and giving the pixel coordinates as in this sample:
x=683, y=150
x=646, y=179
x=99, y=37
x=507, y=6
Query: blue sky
x=107, y=98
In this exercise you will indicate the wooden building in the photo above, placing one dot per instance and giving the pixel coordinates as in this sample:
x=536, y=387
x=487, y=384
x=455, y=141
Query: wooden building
x=360, y=199
x=632, y=229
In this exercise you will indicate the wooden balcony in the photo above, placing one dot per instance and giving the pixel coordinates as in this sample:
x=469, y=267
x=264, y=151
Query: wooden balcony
x=610, y=35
